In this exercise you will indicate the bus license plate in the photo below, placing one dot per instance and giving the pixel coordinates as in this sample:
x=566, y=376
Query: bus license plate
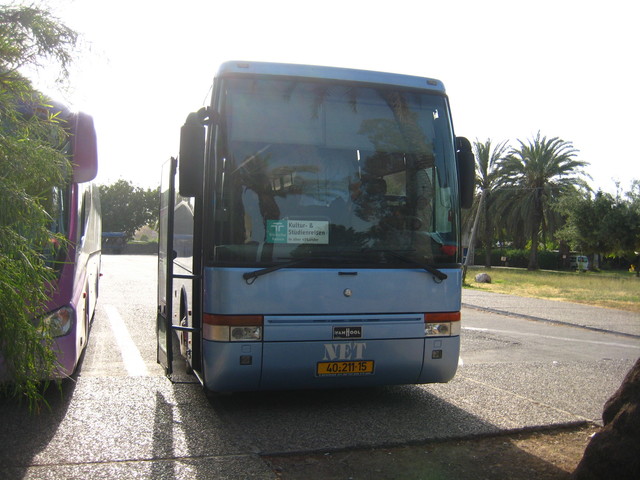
x=362, y=367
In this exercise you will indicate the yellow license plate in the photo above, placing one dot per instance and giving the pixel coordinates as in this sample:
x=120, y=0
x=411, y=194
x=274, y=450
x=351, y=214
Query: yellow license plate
x=361, y=367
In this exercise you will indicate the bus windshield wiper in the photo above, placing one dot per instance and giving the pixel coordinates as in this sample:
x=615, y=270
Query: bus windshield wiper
x=250, y=277
x=429, y=268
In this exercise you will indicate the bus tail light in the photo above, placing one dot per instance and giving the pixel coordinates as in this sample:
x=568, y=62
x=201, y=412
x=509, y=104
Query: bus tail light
x=446, y=324
x=232, y=328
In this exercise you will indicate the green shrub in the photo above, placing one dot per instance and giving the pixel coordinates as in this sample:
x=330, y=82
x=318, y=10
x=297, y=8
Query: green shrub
x=519, y=258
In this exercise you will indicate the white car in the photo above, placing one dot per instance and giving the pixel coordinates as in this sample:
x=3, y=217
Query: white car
x=579, y=262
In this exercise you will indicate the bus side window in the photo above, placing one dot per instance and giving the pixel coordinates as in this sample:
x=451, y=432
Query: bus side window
x=84, y=213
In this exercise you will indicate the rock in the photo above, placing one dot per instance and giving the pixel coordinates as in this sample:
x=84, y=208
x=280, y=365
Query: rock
x=614, y=452
x=483, y=278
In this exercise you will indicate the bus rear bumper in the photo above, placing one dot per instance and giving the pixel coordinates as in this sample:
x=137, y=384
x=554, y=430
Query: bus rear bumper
x=253, y=366
x=440, y=361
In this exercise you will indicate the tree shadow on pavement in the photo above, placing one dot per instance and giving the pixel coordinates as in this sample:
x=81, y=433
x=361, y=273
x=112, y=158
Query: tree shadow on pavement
x=488, y=458
x=25, y=433
x=384, y=432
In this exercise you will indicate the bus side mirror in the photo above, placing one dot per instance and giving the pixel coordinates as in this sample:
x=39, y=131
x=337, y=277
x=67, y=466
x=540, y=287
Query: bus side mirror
x=466, y=171
x=84, y=147
x=191, y=159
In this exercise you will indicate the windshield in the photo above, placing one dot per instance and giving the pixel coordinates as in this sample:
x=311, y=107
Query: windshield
x=58, y=207
x=333, y=171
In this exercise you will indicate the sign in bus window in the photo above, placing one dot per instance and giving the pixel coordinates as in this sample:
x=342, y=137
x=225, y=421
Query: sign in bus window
x=298, y=231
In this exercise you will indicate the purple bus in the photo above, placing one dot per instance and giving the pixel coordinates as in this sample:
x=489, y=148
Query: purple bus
x=75, y=217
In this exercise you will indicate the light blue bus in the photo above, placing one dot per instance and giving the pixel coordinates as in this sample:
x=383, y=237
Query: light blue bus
x=310, y=232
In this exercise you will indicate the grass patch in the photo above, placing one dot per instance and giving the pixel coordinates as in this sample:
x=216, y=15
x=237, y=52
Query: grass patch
x=619, y=290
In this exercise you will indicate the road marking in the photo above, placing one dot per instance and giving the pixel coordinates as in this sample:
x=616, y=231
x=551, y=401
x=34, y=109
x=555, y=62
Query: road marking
x=130, y=354
x=568, y=339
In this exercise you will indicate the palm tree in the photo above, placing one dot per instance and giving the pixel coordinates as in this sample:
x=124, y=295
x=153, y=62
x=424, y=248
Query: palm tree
x=488, y=158
x=531, y=178
x=486, y=181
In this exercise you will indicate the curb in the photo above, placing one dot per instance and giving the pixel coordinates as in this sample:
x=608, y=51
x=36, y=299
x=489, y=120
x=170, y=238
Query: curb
x=546, y=320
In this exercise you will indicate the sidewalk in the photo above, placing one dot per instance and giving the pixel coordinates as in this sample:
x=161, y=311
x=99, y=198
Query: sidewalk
x=585, y=316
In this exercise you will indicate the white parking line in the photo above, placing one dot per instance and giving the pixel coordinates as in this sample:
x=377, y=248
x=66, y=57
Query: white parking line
x=130, y=354
x=567, y=339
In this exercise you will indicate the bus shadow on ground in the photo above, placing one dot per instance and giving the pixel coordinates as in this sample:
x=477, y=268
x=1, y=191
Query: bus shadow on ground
x=327, y=420
x=383, y=432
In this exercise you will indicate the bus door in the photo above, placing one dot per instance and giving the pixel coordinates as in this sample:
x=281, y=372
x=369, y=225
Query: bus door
x=164, y=330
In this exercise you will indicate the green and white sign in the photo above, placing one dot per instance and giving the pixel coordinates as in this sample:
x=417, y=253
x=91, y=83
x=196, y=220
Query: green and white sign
x=298, y=231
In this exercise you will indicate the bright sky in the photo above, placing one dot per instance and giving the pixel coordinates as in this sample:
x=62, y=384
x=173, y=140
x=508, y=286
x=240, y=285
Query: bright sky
x=511, y=68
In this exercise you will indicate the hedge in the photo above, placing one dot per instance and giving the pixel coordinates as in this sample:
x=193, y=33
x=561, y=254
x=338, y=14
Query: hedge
x=547, y=260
